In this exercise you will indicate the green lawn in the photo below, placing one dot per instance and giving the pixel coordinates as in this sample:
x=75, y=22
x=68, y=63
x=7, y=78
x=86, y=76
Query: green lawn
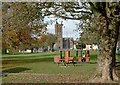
x=43, y=63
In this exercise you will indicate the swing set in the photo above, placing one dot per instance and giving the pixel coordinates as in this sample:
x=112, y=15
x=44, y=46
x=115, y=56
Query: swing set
x=67, y=59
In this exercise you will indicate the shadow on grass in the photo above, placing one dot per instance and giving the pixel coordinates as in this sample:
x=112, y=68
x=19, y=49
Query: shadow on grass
x=118, y=65
x=15, y=70
x=118, y=68
x=93, y=62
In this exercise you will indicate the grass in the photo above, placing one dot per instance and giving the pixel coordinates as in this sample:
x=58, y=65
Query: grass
x=34, y=61
x=43, y=63
x=29, y=56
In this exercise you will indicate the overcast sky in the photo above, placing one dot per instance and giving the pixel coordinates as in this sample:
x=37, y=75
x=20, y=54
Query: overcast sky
x=69, y=27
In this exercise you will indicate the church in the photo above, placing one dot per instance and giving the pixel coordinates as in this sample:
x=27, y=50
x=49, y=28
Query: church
x=62, y=42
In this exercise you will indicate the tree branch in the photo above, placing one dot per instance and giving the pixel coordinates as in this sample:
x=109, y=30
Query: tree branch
x=72, y=18
x=93, y=8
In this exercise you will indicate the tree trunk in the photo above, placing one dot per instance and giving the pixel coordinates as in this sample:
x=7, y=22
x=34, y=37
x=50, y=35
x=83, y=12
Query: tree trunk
x=107, y=50
x=4, y=51
x=31, y=50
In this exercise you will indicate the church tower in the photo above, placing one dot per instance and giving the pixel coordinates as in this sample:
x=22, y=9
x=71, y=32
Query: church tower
x=58, y=32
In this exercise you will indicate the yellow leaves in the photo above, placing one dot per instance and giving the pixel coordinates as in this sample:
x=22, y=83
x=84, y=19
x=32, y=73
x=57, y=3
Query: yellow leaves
x=10, y=37
x=24, y=34
x=42, y=38
x=47, y=39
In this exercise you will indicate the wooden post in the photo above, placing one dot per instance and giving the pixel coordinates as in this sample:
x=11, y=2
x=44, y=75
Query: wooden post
x=67, y=54
x=60, y=54
x=76, y=53
x=81, y=53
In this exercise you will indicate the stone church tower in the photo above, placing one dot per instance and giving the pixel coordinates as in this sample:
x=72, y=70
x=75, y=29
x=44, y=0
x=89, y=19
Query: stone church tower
x=58, y=33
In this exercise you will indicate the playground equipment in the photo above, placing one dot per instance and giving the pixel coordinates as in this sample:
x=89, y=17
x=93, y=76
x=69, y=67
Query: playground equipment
x=67, y=59
x=82, y=53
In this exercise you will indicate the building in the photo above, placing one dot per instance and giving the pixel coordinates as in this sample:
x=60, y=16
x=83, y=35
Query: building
x=91, y=47
x=68, y=43
x=58, y=33
x=62, y=43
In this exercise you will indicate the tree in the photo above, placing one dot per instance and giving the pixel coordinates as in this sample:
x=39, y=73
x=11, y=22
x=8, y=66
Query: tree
x=11, y=42
x=108, y=20
x=80, y=45
x=51, y=40
x=42, y=41
x=89, y=34
x=45, y=40
x=26, y=41
x=19, y=20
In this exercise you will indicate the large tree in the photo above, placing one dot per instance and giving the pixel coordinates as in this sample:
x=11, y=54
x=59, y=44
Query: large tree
x=20, y=21
x=107, y=19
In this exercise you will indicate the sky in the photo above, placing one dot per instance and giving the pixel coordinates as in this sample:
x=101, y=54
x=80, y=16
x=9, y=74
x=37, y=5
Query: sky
x=69, y=27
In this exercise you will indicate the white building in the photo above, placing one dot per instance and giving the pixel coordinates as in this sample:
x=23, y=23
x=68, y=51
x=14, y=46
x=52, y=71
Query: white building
x=89, y=47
